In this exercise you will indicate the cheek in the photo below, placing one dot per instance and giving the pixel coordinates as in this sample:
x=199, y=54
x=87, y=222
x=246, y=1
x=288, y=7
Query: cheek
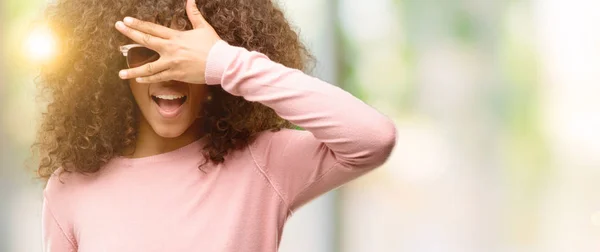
x=198, y=92
x=140, y=92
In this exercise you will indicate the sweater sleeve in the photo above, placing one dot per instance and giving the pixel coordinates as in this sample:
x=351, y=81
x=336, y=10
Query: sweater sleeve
x=345, y=137
x=57, y=237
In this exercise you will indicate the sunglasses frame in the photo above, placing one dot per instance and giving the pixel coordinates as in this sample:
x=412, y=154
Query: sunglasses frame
x=126, y=48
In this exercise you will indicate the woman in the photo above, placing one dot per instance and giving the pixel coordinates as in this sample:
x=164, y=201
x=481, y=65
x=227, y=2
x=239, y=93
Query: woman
x=191, y=146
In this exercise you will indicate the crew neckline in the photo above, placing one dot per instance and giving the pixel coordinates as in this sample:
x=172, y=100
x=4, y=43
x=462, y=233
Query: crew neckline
x=174, y=155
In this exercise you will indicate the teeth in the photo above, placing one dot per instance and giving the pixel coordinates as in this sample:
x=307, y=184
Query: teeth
x=169, y=97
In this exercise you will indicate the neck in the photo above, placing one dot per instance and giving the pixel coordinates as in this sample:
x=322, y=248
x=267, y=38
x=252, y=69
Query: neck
x=148, y=143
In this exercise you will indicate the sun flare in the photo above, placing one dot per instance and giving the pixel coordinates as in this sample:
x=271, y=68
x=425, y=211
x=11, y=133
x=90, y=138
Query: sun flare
x=40, y=45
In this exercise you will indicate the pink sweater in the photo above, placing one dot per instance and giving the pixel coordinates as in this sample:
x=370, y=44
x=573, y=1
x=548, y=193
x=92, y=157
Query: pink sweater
x=165, y=203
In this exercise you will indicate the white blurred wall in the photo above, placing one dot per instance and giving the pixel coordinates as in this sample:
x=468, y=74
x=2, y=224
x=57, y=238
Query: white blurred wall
x=569, y=44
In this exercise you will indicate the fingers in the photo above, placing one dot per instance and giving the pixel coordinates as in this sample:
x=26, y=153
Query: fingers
x=146, y=70
x=158, y=77
x=149, y=28
x=194, y=14
x=144, y=39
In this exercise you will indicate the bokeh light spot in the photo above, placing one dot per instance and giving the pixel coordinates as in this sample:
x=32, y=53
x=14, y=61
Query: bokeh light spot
x=40, y=45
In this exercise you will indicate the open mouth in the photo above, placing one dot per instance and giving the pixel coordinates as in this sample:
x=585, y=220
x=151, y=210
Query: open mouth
x=169, y=105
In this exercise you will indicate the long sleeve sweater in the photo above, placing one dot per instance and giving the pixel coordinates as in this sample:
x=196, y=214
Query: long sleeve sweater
x=165, y=203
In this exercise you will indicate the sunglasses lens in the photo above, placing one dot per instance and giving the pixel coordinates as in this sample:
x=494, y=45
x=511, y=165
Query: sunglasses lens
x=138, y=56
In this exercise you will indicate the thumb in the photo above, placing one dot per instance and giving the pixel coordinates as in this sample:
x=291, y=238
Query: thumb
x=194, y=14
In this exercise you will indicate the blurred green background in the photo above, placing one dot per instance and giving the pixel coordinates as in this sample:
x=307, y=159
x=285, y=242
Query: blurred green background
x=495, y=101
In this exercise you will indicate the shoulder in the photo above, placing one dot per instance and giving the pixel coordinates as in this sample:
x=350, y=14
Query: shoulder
x=62, y=184
x=60, y=196
x=279, y=145
x=260, y=148
x=64, y=187
x=268, y=138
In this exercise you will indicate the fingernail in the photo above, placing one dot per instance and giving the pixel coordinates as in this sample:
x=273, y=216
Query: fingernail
x=128, y=20
x=139, y=79
x=120, y=24
x=123, y=74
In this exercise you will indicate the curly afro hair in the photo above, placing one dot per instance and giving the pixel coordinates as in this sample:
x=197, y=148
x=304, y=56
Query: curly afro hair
x=91, y=115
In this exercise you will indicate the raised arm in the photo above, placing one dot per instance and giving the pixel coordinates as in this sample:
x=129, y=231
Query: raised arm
x=345, y=138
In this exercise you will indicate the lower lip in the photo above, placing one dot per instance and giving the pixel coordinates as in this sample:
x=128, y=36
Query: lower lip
x=169, y=114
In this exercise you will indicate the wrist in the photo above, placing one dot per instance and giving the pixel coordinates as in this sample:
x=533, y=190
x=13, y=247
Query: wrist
x=219, y=57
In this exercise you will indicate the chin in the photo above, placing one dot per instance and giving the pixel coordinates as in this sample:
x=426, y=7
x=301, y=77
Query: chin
x=169, y=131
